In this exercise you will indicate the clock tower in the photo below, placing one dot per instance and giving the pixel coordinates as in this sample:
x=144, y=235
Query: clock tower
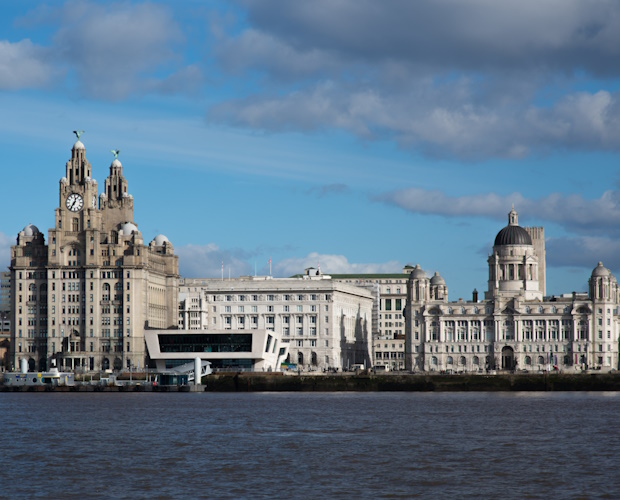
x=85, y=298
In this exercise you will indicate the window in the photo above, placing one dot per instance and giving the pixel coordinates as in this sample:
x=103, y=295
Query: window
x=388, y=304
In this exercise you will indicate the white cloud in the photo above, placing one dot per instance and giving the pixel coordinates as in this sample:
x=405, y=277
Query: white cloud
x=446, y=121
x=24, y=65
x=478, y=35
x=264, y=52
x=108, y=51
x=571, y=211
x=331, y=264
x=451, y=79
x=205, y=261
x=583, y=252
x=113, y=49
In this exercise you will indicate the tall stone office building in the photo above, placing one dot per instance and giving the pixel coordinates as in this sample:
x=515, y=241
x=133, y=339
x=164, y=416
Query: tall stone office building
x=85, y=297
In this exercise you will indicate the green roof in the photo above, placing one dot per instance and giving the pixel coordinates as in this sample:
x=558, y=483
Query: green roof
x=362, y=276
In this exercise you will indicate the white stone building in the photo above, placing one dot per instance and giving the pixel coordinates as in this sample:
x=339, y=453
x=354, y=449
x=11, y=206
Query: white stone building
x=388, y=325
x=325, y=322
x=516, y=326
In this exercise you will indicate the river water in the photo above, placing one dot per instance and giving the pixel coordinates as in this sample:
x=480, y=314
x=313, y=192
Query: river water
x=309, y=445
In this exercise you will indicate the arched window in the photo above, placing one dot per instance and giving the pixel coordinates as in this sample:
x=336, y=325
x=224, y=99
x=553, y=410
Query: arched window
x=462, y=361
x=450, y=360
x=300, y=358
x=541, y=360
x=105, y=289
x=476, y=360
x=528, y=361
x=434, y=361
x=314, y=359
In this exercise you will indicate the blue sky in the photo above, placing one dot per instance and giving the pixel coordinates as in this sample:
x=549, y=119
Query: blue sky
x=363, y=135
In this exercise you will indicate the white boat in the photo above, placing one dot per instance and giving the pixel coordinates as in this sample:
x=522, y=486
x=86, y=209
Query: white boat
x=33, y=379
x=53, y=377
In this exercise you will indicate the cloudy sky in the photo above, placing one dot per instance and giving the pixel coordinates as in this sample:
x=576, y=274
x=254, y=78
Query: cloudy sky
x=358, y=134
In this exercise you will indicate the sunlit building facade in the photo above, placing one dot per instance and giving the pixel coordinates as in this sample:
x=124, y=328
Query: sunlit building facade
x=326, y=323
x=85, y=297
x=515, y=326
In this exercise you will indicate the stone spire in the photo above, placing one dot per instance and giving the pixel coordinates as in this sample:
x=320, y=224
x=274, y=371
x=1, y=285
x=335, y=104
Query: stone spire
x=78, y=167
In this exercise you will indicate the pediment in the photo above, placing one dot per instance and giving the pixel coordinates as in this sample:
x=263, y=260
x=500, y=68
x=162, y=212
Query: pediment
x=509, y=311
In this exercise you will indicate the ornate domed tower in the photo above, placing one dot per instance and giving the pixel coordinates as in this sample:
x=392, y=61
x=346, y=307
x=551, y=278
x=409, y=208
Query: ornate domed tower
x=439, y=290
x=602, y=285
x=513, y=265
x=418, y=286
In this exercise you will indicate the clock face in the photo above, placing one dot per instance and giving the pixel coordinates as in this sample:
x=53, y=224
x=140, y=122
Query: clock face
x=75, y=202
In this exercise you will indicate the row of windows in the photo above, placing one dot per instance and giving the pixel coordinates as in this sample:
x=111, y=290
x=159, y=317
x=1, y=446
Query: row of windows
x=389, y=355
x=388, y=304
x=72, y=274
x=254, y=309
x=269, y=297
x=75, y=298
x=32, y=333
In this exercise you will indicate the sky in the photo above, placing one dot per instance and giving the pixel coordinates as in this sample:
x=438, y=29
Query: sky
x=357, y=135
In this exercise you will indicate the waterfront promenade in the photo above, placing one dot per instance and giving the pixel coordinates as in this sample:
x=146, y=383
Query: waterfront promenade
x=363, y=382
